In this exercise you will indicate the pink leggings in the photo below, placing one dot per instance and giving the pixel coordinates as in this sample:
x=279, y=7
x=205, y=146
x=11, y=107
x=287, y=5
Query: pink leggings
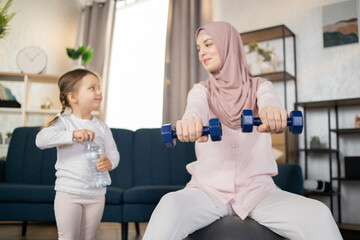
x=77, y=216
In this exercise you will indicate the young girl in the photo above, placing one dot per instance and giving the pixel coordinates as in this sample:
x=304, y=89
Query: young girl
x=234, y=176
x=79, y=204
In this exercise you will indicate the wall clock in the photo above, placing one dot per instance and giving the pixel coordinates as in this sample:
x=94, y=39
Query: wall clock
x=31, y=59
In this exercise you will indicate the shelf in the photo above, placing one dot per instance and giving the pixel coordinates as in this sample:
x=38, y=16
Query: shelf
x=347, y=131
x=266, y=34
x=11, y=110
x=43, y=111
x=332, y=107
x=320, y=193
x=332, y=103
x=346, y=179
x=276, y=76
x=347, y=226
x=4, y=76
x=319, y=150
x=43, y=78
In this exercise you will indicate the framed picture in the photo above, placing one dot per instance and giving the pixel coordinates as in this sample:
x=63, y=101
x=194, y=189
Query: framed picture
x=340, y=23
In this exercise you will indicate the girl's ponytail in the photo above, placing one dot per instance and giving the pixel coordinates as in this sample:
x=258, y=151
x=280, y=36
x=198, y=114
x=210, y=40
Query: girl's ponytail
x=55, y=118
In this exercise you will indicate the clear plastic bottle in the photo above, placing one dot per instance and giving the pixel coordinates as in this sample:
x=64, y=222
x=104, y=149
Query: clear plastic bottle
x=93, y=152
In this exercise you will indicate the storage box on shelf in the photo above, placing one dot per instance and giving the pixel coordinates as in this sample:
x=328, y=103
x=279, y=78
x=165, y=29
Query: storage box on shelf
x=333, y=149
x=287, y=143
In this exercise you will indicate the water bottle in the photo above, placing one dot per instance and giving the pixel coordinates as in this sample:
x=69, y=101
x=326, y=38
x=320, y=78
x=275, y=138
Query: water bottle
x=93, y=152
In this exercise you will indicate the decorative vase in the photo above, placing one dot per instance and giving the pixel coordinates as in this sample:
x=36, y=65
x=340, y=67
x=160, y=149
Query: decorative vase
x=267, y=66
x=77, y=63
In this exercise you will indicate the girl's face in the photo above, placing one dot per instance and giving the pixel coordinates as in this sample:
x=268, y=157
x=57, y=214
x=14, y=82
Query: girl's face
x=208, y=53
x=89, y=95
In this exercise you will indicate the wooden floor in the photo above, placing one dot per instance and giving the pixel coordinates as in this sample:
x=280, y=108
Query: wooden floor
x=48, y=231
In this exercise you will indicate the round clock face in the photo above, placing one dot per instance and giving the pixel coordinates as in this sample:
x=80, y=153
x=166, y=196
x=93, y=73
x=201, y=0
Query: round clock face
x=31, y=60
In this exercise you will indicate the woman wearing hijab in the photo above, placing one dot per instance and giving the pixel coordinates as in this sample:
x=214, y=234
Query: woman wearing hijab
x=234, y=176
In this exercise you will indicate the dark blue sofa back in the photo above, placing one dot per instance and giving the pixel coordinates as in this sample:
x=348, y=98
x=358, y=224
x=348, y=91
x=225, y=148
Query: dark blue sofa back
x=143, y=159
x=26, y=163
x=122, y=176
x=154, y=164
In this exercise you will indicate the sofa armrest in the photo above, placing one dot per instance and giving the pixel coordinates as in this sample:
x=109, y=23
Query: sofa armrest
x=2, y=170
x=290, y=178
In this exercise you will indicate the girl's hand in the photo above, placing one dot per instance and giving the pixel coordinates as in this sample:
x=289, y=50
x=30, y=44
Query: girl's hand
x=83, y=134
x=274, y=120
x=104, y=164
x=190, y=130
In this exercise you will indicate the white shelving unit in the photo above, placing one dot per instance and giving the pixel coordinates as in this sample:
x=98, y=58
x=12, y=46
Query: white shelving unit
x=30, y=90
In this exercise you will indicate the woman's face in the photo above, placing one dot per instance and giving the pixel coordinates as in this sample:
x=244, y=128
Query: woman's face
x=208, y=53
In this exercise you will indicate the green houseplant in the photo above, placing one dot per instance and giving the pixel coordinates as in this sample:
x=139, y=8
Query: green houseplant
x=82, y=54
x=268, y=61
x=5, y=18
x=8, y=136
x=267, y=54
x=315, y=142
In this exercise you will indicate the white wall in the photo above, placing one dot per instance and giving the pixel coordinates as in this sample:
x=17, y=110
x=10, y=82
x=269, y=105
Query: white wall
x=323, y=74
x=49, y=24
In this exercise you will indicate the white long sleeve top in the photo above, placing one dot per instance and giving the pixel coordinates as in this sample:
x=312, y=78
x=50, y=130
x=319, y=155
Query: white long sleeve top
x=72, y=171
x=237, y=169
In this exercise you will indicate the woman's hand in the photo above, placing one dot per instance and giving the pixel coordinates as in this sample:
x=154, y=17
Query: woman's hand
x=104, y=164
x=190, y=130
x=83, y=134
x=274, y=119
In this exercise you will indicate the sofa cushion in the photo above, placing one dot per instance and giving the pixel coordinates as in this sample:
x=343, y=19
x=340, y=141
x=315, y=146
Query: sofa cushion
x=114, y=195
x=26, y=193
x=149, y=194
x=138, y=212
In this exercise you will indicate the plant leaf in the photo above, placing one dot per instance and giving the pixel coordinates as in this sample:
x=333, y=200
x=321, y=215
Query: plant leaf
x=6, y=7
x=87, y=55
x=72, y=53
x=81, y=50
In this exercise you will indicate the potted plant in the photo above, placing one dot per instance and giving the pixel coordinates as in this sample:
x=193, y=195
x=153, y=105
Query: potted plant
x=8, y=135
x=5, y=18
x=315, y=142
x=267, y=55
x=82, y=54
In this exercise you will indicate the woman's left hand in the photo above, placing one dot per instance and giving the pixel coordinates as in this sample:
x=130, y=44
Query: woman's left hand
x=104, y=164
x=274, y=120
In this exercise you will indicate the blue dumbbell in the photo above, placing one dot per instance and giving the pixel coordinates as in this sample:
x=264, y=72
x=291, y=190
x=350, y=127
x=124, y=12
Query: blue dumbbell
x=214, y=129
x=294, y=122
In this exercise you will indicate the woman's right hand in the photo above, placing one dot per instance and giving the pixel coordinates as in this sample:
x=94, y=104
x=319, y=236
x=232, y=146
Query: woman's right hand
x=190, y=129
x=83, y=134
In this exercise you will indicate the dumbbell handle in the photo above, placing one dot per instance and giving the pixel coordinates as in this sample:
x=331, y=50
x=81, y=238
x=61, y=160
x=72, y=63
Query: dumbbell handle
x=257, y=122
x=205, y=131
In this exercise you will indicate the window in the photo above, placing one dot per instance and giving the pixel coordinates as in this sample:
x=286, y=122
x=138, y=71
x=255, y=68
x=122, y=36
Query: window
x=136, y=75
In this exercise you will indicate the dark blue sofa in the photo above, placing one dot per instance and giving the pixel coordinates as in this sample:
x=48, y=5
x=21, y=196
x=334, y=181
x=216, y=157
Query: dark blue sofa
x=146, y=172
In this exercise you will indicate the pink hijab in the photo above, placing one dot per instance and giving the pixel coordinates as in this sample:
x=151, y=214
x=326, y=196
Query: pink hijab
x=232, y=88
